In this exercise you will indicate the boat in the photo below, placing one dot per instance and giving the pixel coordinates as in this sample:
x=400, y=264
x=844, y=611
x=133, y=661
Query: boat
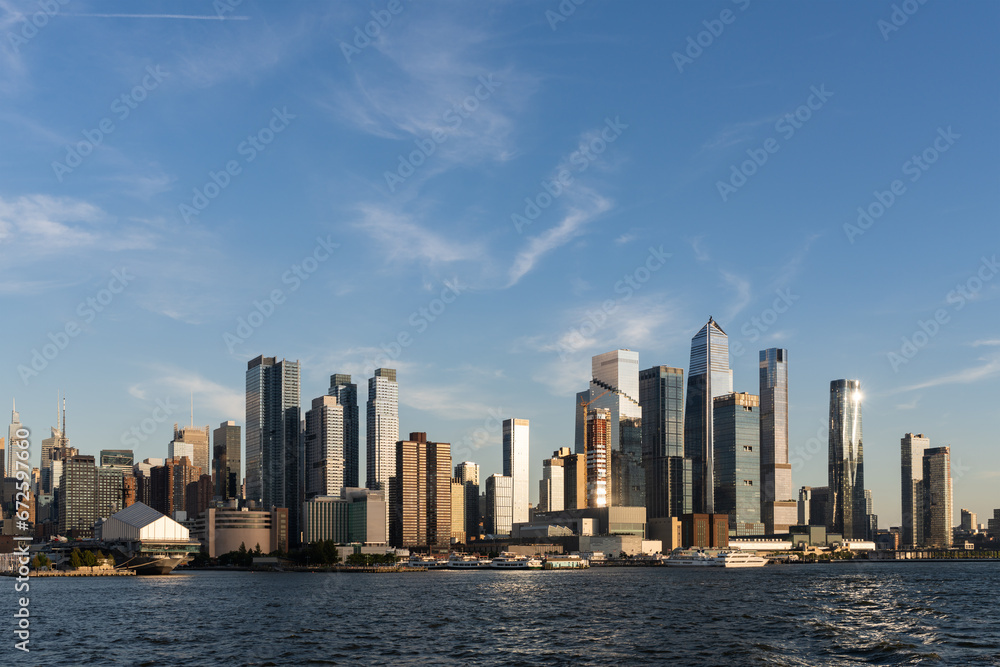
x=465, y=562
x=512, y=561
x=429, y=562
x=565, y=562
x=690, y=558
x=740, y=559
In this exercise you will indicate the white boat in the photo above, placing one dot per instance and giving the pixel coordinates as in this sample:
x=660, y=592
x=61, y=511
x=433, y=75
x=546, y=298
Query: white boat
x=511, y=561
x=430, y=562
x=465, y=562
x=565, y=562
x=690, y=558
x=740, y=559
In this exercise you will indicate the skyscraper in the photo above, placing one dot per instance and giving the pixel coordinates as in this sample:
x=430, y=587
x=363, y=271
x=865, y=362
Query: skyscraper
x=78, y=497
x=499, y=510
x=598, y=445
x=15, y=426
x=667, y=471
x=226, y=443
x=420, y=494
x=515, y=464
x=737, y=462
x=552, y=485
x=347, y=395
x=709, y=377
x=324, y=448
x=937, y=497
x=468, y=473
x=383, y=428
x=911, y=452
x=846, y=507
x=198, y=439
x=778, y=505
x=273, y=437
x=56, y=442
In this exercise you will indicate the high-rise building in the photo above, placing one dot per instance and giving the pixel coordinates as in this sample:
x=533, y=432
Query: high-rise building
x=457, y=511
x=667, y=471
x=969, y=521
x=846, y=509
x=499, y=512
x=56, y=445
x=383, y=427
x=198, y=439
x=937, y=496
x=737, y=462
x=226, y=462
x=324, y=448
x=468, y=473
x=582, y=398
x=598, y=446
x=709, y=377
x=515, y=464
x=78, y=496
x=812, y=505
x=15, y=426
x=178, y=449
x=574, y=478
x=420, y=494
x=552, y=485
x=911, y=450
x=119, y=459
x=273, y=437
x=169, y=484
x=347, y=395
x=778, y=506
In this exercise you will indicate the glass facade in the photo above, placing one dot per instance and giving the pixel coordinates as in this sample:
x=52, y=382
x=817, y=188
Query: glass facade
x=937, y=497
x=515, y=463
x=347, y=395
x=775, y=470
x=226, y=443
x=912, y=448
x=737, y=462
x=668, y=473
x=846, y=506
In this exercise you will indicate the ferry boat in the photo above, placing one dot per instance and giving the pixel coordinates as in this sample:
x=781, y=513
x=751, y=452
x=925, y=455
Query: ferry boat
x=466, y=562
x=690, y=558
x=740, y=559
x=430, y=562
x=565, y=562
x=511, y=561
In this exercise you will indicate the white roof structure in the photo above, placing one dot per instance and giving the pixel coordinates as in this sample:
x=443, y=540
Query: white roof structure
x=141, y=522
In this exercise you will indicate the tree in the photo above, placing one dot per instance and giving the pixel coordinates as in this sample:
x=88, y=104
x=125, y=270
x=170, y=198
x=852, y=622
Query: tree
x=75, y=560
x=89, y=558
x=257, y=551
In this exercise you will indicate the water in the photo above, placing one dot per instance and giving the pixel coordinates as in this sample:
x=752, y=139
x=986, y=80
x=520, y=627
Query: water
x=844, y=614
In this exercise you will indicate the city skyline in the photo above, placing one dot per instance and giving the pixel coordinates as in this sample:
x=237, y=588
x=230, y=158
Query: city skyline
x=879, y=152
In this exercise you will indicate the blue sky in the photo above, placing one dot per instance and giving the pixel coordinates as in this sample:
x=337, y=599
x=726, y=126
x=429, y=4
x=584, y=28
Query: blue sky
x=257, y=164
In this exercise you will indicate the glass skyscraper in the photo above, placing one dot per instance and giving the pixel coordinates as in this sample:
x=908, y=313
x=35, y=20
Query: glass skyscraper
x=515, y=464
x=383, y=428
x=667, y=471
x=347, y=395
x=937, y=497
x=912, y=448
x=709, y=377
x=737, y=462
x=779, y=508
x=226, y=462
x=467, y=473
x=846, y=509
x=273, y=437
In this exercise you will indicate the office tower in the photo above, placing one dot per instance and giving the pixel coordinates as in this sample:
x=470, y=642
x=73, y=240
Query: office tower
x=468, y=473
x=15, y=426
x=198, y=439
x=993, y=525
x=598, y=444
x=57, y=441
x=169, y=483
x=709, y=377
x=615, y=387
x=911, y=450
x=778, y=506
x=110, y=491
x=324, y=448
x=178, y=449
x=582, y=399
x=846, y=513
x=198, y=496
x=968, y=521
x=383, y=427
x=668, y=474
x=515, y=464
x=457, y=511
x=812, y=505
x=737, y=462
x=226, y=462
x=871, y=519
x=347, y=395
x=575, y=480
x=273, y=437
x=937, y=497
x=119, y=459
x=499, y=509
x=420, y=494
x=78, y=497
x=552, y=485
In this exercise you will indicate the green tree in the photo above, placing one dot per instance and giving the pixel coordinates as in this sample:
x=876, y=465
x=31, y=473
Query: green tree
x=75, y=559
x=257, y=551
x=89, y=558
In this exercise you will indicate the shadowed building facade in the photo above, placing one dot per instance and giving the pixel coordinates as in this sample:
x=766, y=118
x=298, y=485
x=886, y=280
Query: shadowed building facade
x=777, y=498
x=668, y=474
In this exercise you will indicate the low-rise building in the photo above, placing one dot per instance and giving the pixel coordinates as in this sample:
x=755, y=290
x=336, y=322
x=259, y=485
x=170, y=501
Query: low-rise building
x=223, y=529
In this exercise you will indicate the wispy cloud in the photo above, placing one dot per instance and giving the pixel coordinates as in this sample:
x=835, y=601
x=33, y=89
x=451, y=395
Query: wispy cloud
x=741, y=286
x=180, y=383
x=399, y=236
x=988, y=369
x=992, y=342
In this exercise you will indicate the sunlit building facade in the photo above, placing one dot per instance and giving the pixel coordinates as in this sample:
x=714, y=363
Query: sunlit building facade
x=846, y=508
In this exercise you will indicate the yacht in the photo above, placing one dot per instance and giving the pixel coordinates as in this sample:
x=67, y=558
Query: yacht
x=740, y=559
x=512, y=561
x=690, y=558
